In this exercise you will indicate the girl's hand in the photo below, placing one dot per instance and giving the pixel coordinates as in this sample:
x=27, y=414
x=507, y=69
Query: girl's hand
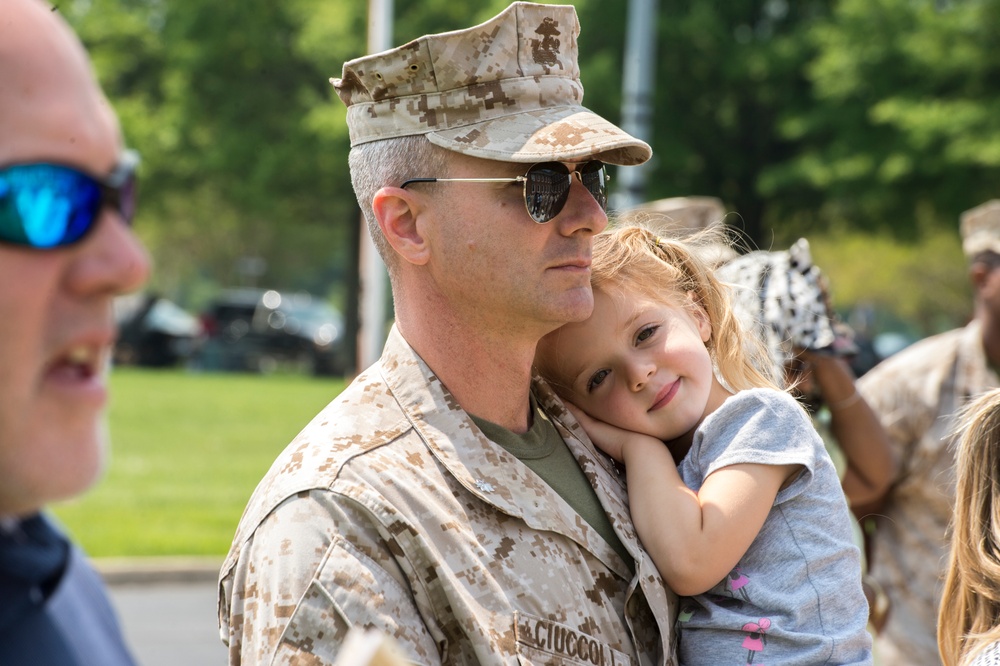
x=610, y=439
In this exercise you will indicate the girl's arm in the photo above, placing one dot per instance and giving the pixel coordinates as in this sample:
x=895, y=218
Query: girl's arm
x=695, y=539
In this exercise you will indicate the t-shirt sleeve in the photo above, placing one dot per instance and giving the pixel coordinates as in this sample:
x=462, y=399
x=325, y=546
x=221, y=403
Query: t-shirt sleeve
x=763, y=427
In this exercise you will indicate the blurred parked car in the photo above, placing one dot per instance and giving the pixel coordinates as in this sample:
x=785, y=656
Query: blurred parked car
x=154, y=331
x=264, y=330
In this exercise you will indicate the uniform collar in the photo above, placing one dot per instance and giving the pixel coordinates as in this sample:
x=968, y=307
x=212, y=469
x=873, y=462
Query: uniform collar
x=974, y=373
x=491, y=473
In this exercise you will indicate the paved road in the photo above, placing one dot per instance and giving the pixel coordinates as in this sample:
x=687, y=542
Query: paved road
x=170, y=622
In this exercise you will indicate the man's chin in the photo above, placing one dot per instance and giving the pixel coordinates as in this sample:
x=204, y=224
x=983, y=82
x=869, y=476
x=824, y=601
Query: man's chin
x=579, y=306
x=82, y=454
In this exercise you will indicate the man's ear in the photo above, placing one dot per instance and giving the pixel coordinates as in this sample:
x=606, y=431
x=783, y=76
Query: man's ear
x=398, y=213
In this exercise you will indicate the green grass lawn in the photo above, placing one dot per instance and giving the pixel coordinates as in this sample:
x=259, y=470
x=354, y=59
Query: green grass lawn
x=187, y=450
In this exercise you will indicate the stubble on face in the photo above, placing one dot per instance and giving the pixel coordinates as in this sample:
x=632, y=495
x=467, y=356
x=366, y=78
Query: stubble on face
x=494, y=263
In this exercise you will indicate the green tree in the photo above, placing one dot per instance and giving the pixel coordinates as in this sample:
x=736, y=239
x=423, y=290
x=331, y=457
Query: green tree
x=924, y=284
x=725, y=73
x=803, y=116
x=904, y=130
x=243, y=154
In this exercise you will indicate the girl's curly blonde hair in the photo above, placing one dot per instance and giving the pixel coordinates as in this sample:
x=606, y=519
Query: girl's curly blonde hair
x=633, y=257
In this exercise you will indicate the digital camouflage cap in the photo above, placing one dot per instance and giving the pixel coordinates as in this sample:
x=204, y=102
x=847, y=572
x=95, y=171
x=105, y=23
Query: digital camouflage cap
x=508, y=90
x=980, y=229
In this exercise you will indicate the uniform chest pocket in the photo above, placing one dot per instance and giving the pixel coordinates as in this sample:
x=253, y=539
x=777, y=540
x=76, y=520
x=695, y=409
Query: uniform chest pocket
x=541, y=641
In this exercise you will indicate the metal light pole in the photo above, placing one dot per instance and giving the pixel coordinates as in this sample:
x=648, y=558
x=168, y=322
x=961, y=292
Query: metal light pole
x=374, y=278
x=637, y=97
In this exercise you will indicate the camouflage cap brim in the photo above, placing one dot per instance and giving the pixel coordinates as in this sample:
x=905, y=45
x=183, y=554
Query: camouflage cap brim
x=546, y=135
x=977, y=243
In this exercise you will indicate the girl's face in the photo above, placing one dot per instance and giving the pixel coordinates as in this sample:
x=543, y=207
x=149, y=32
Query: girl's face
x=636, y=363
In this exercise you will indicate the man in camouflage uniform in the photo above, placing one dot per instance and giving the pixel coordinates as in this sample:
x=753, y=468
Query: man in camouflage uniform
x=447, y=498
x=916, y=394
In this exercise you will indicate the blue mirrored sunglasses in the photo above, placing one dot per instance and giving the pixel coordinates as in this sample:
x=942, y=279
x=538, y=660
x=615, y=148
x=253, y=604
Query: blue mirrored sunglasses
x=47, y=206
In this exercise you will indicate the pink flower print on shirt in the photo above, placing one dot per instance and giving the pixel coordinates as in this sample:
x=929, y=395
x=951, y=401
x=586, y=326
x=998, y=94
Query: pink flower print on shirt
x=736, y=582
x=756, y=637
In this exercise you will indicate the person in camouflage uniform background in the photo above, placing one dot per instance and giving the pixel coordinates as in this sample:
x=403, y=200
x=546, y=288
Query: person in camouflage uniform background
x=917, y=394
x=447, y=498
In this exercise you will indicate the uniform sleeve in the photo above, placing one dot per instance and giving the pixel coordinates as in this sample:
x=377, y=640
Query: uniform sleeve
x=315, y=567
x=901, y=411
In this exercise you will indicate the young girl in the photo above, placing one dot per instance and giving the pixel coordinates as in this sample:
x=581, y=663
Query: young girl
x=968, y=631
x=741, y=510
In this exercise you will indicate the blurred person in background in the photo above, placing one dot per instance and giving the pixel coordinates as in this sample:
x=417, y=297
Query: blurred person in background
x=65, y=252
x=969, y=616
x=917, y=394
x=690, y=218
x=447, y=498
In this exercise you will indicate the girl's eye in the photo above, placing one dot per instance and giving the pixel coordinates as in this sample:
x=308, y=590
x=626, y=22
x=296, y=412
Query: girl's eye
x=596, y=380
x=646, y=333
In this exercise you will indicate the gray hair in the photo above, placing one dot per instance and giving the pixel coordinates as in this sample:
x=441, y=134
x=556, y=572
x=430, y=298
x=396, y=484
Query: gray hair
x=387, y=163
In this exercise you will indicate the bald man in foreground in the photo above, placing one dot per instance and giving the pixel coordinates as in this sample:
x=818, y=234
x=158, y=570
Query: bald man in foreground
x=66, y=250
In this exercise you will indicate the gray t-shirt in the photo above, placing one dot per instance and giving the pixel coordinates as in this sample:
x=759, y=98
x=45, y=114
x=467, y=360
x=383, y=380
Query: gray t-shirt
x=795, y=597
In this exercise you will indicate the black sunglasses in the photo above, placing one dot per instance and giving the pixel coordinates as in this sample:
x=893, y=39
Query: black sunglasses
x=47, y=206
x=546, y=186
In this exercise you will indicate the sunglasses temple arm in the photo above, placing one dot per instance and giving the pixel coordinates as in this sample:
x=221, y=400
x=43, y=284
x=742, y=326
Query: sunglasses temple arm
x=517, y=179
x=124, y=169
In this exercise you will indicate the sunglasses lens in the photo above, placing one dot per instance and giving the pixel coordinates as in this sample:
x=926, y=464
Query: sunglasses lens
x=547, y=187
x=46, y=205
x=546, y=190
x=592, y=175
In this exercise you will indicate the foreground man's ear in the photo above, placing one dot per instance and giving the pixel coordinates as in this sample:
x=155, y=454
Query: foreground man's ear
x=399, y=214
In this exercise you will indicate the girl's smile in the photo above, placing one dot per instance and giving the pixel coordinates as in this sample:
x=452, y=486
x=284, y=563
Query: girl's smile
x=666, y=395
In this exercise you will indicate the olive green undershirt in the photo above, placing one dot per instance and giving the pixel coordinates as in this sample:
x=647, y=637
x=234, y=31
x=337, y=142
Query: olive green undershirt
x=546, y=454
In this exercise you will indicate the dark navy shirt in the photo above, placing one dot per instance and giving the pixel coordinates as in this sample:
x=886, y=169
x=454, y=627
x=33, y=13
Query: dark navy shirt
x=54, y=608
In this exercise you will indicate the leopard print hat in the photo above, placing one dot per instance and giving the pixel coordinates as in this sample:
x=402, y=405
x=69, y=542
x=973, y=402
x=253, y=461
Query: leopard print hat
x=782, y=296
